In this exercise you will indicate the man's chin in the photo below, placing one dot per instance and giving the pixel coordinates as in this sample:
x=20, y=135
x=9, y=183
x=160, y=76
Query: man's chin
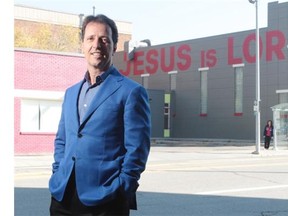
x=101, y=66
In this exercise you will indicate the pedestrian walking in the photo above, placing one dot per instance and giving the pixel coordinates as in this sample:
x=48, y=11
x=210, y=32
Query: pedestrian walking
x=268, y=134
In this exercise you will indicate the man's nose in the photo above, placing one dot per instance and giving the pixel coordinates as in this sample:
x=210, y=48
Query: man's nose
x=96, y=44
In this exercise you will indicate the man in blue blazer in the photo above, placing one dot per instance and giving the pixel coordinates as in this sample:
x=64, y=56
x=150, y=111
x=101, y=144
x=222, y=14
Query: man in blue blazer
x=103, y=139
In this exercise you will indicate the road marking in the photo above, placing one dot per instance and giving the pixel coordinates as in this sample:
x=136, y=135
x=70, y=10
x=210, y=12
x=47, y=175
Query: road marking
x=241, y=190
x=187, y=166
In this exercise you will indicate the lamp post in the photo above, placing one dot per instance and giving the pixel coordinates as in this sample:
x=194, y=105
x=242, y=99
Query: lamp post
x=257, y=101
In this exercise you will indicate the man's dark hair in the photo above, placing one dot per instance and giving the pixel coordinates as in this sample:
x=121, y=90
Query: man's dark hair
x=100, y=18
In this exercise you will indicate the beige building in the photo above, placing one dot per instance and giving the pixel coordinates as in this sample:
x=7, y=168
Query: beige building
x=55, y=31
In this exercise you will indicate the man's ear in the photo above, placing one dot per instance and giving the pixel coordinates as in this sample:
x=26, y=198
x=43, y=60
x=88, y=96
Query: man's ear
x=115, y=48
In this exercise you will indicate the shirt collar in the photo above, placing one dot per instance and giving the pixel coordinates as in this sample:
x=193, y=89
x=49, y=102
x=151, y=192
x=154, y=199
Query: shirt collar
x=103, y=74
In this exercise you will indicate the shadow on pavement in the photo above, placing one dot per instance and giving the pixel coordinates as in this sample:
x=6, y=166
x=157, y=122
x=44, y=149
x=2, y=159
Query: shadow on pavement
x=31, y=201
x=36, y=201
x=204, y=205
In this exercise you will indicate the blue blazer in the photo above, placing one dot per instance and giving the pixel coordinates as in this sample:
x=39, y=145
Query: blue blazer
x=110, y=148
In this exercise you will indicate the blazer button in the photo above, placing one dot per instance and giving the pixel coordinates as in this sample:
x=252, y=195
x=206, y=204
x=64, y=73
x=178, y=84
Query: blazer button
x=73, y=158
x=80, y=135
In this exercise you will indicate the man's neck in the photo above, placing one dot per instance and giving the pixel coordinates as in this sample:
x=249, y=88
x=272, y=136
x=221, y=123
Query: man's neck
x=94, y=72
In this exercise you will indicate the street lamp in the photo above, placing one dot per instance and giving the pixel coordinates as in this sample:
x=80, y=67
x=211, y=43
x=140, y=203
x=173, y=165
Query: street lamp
x=131, y=46
x=257, y=101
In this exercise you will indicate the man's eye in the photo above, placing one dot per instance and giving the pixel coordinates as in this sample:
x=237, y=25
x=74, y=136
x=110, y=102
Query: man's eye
x=105, y=40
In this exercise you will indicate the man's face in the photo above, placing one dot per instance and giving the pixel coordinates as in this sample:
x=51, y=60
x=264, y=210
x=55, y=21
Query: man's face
x=98, y=46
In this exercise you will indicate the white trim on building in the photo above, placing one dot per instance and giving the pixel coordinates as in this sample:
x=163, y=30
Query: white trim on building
x=39, y=94
x=281, y=91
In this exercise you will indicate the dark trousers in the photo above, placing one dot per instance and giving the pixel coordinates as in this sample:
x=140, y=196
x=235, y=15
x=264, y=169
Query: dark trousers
x=71, y=205
x=267, y=142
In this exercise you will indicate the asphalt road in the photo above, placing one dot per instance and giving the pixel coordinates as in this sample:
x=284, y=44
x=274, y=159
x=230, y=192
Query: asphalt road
x=180, y=181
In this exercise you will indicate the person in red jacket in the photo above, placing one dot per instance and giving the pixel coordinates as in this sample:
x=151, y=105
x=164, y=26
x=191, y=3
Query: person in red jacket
x=268, y=133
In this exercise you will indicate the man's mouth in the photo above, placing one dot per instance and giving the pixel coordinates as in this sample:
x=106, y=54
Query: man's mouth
x=98, y=55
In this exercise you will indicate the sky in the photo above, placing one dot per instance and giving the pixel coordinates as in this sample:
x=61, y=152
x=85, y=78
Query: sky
x=167, y=21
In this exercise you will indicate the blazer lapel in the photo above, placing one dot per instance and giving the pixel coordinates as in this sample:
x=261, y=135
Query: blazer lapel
x=74, y=102
x=107, y=88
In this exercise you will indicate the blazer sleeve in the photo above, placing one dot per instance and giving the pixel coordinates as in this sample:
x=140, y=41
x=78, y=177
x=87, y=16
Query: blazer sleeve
x=136, y=139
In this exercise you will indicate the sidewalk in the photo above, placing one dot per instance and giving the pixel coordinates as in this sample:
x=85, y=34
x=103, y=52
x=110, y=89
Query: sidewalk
x=40, y=164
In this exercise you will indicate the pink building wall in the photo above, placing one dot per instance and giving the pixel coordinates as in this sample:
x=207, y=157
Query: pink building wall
x=42, y=71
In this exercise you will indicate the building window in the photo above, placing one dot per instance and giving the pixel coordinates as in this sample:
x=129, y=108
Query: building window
x=283, y=97
x=40, y=115
x=203, y=91
x=167, y=103
x=145, y=80
x=238, y=90
x=172, y=80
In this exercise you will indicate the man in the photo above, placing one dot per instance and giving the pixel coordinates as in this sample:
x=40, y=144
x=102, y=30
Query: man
x=103, y=140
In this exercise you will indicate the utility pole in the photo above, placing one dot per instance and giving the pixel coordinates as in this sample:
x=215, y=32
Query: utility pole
x=257, y=101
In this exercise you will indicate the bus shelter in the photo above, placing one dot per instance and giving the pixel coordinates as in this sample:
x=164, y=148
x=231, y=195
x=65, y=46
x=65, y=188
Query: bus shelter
x=280, y=122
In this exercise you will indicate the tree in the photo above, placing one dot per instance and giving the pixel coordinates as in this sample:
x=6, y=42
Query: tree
x=46, y=36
